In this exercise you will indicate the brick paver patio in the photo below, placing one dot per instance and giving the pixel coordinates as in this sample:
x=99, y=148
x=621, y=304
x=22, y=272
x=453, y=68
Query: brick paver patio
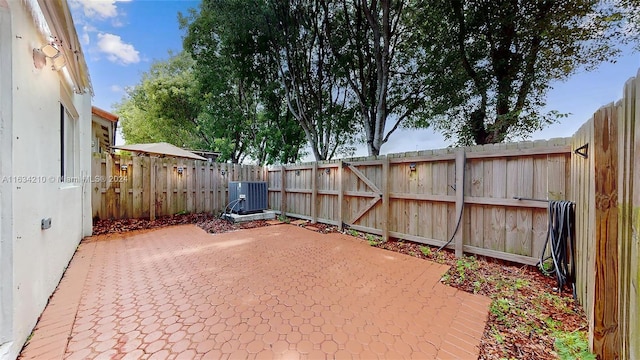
x=273, y=292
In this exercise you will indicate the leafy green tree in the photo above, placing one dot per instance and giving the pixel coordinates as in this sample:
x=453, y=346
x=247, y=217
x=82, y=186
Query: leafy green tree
x=370, y=40
x=489, y=64
x=277, y=46
x=166, y=106
x=241, y=93
x=315, y=94
x=630, y=11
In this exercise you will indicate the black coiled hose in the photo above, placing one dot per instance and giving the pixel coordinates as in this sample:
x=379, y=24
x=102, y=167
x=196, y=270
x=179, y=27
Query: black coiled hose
x=560, y=244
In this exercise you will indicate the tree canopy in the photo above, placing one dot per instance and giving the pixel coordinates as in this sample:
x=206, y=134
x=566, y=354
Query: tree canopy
x=209, y=108
x=262, y=79
x=491, y=63
x=165, y=106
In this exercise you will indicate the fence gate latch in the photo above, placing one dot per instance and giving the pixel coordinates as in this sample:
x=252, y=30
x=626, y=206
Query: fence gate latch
x=582, y=151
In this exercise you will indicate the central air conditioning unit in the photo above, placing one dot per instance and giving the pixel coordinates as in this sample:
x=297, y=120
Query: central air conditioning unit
x=246, y=197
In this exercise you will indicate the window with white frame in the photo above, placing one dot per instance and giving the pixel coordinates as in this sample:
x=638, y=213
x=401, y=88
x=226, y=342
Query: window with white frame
x=68, y=144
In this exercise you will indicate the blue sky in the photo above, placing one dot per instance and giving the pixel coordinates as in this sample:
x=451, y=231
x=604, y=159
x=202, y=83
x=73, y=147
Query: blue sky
x=121, y=39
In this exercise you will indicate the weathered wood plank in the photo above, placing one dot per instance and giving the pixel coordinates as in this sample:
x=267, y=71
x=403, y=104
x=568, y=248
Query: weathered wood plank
x=440, y=187
x=314, y=194
x=606, y=342
x=413, y=178
x=283, y=191
x=152, y=188
x=137, y=186
x=501, y=255
x=364, y=210
x=512, y=244
x=110, y=206
x=525, y=216
x=189, y=175
x=633, y=241
x=426, y=208
x=146, y=184
x=497, y=233
x=475, y=179
x=170, y=187
x=519, y=152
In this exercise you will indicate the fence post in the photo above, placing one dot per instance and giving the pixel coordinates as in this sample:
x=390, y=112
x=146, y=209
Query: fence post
x=459, y=231
x=283, y=192
x=340, y=194
x=606, y=342
x=314, y=193
x=385, y=199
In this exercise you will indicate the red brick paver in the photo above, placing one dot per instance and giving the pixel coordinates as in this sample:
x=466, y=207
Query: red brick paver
x=273, y=292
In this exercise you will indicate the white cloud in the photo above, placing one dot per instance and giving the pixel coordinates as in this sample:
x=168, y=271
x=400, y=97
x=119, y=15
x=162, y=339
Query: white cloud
x=116, y=50
x=85, y=37
x=117, y=23
x=116, y=88
x=98, y=8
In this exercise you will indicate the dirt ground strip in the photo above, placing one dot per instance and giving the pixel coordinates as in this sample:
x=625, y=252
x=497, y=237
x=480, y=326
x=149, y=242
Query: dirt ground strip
x=271, y=292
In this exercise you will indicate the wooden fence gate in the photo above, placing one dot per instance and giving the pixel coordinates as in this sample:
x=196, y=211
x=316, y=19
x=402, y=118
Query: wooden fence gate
x=365, y=207
x=484, y=191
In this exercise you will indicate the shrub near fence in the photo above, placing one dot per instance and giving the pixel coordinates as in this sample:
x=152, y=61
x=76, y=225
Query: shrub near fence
x=147, y=187
x=418, y=196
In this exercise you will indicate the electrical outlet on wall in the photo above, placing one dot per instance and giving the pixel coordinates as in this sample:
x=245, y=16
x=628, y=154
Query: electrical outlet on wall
x=45, y=223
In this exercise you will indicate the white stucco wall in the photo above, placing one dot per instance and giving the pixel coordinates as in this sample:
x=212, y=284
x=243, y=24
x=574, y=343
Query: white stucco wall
x=41, y=256
x=6, y=208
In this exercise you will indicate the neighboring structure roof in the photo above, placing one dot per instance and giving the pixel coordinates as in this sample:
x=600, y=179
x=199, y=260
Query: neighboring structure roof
x=161, y=148
x=207, y=154
x=104, y=114
x=104, y=127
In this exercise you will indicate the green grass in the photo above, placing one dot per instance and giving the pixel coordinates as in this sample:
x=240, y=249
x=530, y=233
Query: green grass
x=374, y=240
x=573, y=345
x=426, y=251
x=501, y=307
x=464, y=265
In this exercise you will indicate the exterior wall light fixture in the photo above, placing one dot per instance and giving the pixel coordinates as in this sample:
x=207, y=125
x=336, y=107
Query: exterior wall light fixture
x=48, y=51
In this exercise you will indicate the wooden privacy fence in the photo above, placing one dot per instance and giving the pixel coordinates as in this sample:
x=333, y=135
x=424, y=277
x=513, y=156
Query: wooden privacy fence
x=418, y=196
x=608, y=225
x=147, y=187
x=494, y=195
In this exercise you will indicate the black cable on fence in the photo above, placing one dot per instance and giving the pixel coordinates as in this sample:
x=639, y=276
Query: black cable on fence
x=560, y=244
